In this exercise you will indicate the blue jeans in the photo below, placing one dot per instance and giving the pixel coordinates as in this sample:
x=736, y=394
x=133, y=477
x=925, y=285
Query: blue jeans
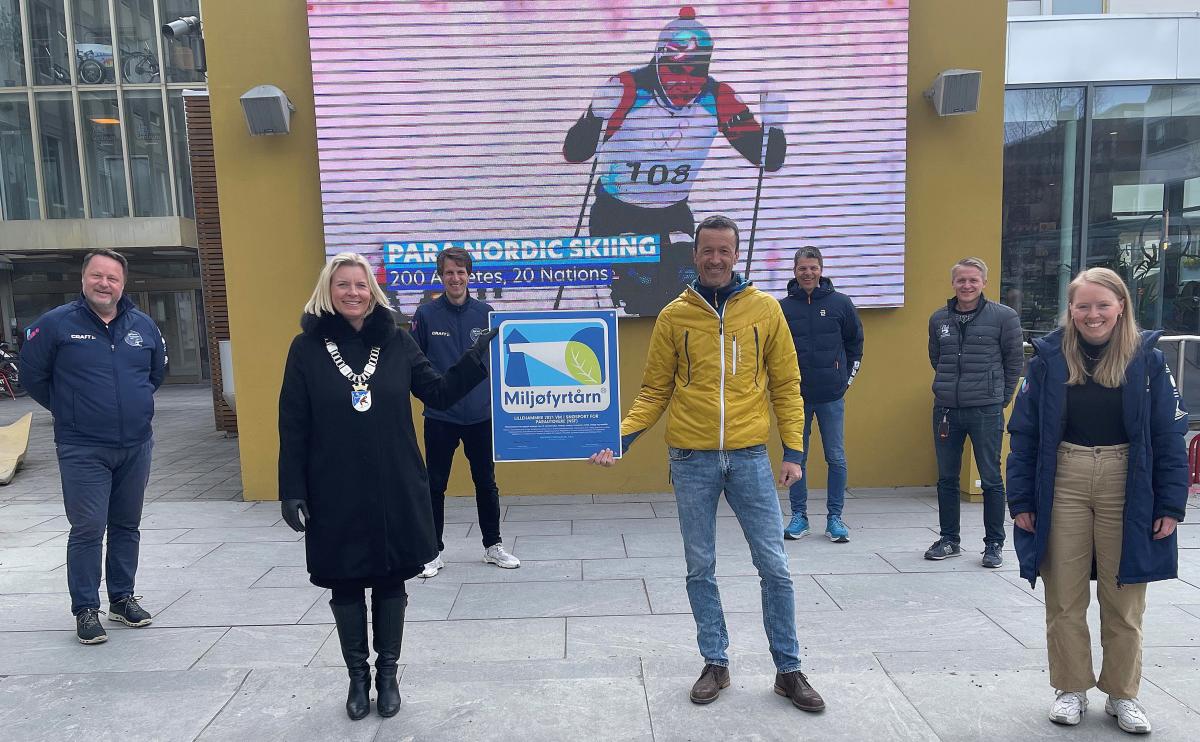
x=831, y=418
x=103, y=489
x=746, y=478
x=985, y=426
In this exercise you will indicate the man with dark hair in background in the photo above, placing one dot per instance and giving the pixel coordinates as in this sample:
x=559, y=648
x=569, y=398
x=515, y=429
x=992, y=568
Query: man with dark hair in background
x=829, y=345
x=444, y=329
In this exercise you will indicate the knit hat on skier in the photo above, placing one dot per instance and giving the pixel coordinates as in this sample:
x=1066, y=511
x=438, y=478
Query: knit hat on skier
x=682, y=56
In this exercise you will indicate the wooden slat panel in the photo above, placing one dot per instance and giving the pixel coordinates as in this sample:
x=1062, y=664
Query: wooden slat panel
x=212, y=264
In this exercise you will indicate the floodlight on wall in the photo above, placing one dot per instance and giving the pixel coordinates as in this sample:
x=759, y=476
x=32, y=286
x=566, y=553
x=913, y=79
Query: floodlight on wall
x=955, y=92
x=267, y=110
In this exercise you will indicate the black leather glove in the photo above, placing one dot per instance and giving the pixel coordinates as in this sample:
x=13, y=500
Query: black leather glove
x=480, y=347
x=292, y=510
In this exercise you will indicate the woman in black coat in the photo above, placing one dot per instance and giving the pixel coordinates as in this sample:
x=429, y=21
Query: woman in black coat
x=350, y=473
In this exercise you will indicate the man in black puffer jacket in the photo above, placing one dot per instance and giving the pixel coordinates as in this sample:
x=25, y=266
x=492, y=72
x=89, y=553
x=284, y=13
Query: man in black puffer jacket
x=829, y=347
x=976, y=353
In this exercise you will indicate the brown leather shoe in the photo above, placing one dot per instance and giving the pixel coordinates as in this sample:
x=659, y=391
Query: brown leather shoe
x=712, y=679
x=794, y=685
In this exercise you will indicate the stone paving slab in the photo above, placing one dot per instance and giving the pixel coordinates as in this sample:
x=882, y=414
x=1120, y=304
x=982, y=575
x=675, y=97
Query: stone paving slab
x=240, y=607
x=157, y=648
x=113, y=706
x=915, y=590
x=750, y=709
x=265, y=647
x=570, y=547
x=1012, y=705
x=545, y=710
x=291, y=704
x=546, y=599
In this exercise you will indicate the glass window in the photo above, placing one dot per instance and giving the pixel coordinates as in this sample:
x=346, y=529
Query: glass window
x=12, y=50
x=103, y=151
x=182, y=53
x=179, y=144
x=137, y=36
x=1043, y=183
x=93, y=42
x=145, y=136
x=18, y=183
x=48, y=41
x=60, y=156
x=1142, y=211
x=1077, y=7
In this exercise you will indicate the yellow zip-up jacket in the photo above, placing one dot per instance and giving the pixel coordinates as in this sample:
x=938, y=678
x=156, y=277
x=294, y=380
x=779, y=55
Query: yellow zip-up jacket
x=711, y=374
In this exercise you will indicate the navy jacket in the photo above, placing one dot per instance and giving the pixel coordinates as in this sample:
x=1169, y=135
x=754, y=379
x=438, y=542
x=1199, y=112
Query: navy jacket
x=1157, y=482
x=977, y=363
x=828, y=337
x=444, y=331
x=98, y=381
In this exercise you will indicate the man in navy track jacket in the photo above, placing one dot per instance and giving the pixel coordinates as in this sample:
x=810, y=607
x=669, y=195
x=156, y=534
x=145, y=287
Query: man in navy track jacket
x=829, y=347
x=95, y=364
x=444, y=329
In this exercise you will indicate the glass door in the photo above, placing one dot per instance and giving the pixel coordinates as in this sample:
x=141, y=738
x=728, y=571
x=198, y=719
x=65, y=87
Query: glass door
x=175, y=313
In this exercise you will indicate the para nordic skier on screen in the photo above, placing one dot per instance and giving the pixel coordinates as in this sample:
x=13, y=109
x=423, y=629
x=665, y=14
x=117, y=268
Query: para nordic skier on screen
x=650, y=130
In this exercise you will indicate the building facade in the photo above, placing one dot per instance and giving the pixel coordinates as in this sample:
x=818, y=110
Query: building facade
x=93, y=154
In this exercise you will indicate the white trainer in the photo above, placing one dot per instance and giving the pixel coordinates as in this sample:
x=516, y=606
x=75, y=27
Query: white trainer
x=496, y=555
x=1131, y=715
x=1068, y=707
x=432, y=568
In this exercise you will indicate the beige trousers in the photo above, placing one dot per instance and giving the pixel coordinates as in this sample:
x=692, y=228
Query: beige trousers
x=1089, y=503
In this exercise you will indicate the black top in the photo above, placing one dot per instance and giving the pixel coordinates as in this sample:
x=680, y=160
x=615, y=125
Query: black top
x=964, y=317
x=1095, y=413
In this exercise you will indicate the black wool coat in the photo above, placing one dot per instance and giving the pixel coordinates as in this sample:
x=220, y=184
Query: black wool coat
x=361, y=473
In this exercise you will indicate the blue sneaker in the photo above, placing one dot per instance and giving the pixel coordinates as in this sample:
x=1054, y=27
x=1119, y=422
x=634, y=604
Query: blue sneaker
x=836, y=530
x=797, y=528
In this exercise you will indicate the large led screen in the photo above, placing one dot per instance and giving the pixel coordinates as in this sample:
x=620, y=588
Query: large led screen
x=572, y=148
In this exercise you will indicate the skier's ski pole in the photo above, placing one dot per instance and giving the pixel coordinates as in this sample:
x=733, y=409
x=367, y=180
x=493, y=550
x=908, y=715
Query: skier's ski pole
x=587, y=193
x=762, y=166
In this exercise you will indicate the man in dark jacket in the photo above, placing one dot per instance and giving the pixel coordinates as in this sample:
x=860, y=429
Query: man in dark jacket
x=95, y=363
x=976, y=353
x=444, y=329
x=829, y=346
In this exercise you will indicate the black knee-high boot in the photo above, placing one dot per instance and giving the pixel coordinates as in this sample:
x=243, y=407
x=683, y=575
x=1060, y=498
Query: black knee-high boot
x=387, y=619
x=351, y=621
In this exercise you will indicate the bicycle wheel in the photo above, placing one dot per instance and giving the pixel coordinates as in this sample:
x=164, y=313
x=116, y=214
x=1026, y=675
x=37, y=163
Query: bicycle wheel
x=140, y=68
x=91, y=72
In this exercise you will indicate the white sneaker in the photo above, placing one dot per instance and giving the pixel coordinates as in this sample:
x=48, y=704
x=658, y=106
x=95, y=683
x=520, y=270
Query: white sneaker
x=431, y=569
x=496, y=555
x=1068, y=707
x=1131, y=715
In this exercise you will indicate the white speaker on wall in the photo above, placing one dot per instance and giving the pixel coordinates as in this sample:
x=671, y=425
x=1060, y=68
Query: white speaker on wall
x=267, y=110
x=955, y=92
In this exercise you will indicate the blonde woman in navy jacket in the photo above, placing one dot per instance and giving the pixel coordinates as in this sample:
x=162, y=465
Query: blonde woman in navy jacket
x=1097, y=482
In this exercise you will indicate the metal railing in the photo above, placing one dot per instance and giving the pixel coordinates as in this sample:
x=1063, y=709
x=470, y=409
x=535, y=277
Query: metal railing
x=1180, y=366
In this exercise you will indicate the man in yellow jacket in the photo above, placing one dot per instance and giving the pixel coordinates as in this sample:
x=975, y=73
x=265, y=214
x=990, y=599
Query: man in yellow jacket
x=718, y=351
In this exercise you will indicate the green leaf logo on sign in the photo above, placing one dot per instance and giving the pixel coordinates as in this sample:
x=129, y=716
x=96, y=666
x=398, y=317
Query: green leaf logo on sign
x=582, y=363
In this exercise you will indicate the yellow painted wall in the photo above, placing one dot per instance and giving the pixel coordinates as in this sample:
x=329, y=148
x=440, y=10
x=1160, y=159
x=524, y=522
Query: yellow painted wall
x=272, y=235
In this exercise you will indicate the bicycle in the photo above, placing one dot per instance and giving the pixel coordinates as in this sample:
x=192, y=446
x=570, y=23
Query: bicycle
x=10, y=374
x=139, y=66
x=90, y=70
